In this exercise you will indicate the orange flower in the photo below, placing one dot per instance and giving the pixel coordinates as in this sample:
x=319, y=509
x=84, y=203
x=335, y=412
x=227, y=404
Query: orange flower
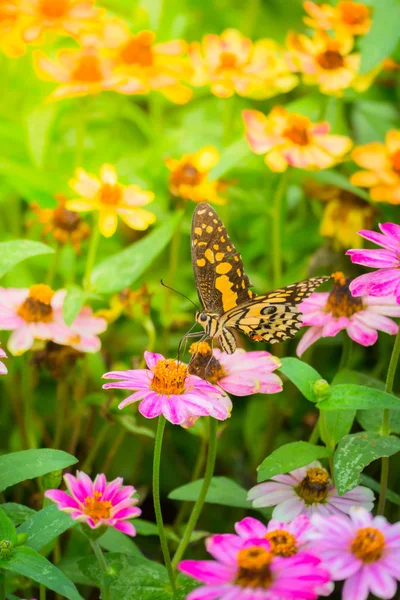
x=352, y=17
x=11, y=42
x=231, y=63
x=382, y=168
x=189, y=178
x=129, y=302
x=292, y=139
x=111, y=199
x=68, y=17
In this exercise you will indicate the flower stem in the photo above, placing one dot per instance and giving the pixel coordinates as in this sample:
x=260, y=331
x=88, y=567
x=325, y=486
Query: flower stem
x=2, y=585
x=81, y=123
x=61, y=410
x=53, y=265
x=27, y=399
x=209, y=472
x=42, y=591
x=157, y=502
x=347, y=348
x=314, y=437
x=104, y=567
x=325, y=435
x=394, y=359
x=91, y=256
x=201, y=459
x=276, y=229
x=173, y=265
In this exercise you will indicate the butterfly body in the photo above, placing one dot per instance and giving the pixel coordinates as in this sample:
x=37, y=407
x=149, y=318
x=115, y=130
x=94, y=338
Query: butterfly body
x=224, y=291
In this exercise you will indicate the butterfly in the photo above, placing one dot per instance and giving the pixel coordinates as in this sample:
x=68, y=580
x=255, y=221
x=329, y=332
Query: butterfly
x=224, y=290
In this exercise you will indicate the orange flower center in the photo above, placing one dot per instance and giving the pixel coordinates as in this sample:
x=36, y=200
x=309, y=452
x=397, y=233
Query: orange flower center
x=37, y=306
x=368, y=545
x=53, y=9
x=297, y=130
x=96, y=508
x=282, y=542
x=186, y=174
x=228, y=60
x=353, y=13
x=254, y=567
x=66, y=219
x=340, y=302
x=87, y=70
x=396, y=161
x=169, y=377
x=7, y=12
x=313, y=489
x=110, y=194
x=204, y=364
x=138, y=51
x=330, y=60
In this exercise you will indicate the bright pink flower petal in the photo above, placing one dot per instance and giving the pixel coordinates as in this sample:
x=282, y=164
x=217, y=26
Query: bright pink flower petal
x=356, y=587
x=359, y=285
x=362, y=334
x=250, y=528
x=207, y=571
x=376, y=321
x=152, y=359
x=374, y=258
x=391, y=230
x=126, y=528
x=224, y=548
x=380, y=239
x=62, y=499
x=311, y=335
x=151, y=406
x=132, y=398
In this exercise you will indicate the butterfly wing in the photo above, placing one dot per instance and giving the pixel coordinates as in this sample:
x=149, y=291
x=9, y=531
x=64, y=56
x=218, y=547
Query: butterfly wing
x=273, y=317
x=218, y=269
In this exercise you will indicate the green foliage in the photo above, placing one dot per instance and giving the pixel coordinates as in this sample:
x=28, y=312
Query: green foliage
x=302, y=375
x=27, y=464
x=45, y=525
x=358, y=397
x=222, y=491
x=290, y=457
x=383, y=37
x=12, y=253
x=73, y=303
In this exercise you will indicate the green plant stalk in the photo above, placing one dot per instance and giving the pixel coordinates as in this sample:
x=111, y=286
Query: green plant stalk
x=61, y=409
x=101, y=436
x=27, y=400
x=53, y=265
x=201, y=459
x=276, y=229
x=104, y=567
x=148, y=326
x=173, y=265
x=2, y=586
x=323, y=428
x=209, y=472
x=42, y=590
x=394, y=359
x=81, y=124
x=157, y=502
x=91, y=257
x=345, y=359
x=314, y=437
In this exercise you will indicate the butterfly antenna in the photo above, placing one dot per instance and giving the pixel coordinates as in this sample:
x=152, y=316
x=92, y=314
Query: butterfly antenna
x=180, y=293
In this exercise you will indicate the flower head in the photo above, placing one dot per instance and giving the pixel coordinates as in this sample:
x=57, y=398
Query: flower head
x=381, y=164
x=57, y=358
x=292, y=139
x=361, y=317
x=111, y=199
x=362, y=550
x=166, y=387
x=3, y=368
x=241, y=373
x=308, y=490
x=189, y=178
x=352, y=17
x=231, y=63
x=247, y=568
x=286, y=539
x=98, y=503
x=386, y=280
x=64, y=225
x=128, y=302
x=11, y=42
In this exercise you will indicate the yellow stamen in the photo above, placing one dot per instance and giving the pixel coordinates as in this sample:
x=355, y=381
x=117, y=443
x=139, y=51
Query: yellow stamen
x=87, y=70
x=254, y=570
x=282, y=542
x=169, y=377
x=138, y=50
x=96, y=508
x=37, y=306
x=53, y=9
x=341, y=303
x=297, y=130
x=368, y=545
x=204, y=364
x=330, y=60
x=228, y=60
x=110, y=194
x=313, y=489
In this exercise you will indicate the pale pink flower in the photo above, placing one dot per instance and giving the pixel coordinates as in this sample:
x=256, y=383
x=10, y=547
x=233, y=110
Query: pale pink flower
x=329, y=313
x=98, y=503
x=166, y=387
x=308, y=490
x=386, y=280
x=3, y=368
x=362, y=550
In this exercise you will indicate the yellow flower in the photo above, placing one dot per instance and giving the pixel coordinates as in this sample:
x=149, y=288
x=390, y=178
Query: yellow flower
x=292, y=139
x=129, y=302
x=111, y=199
x=11, y=42
x=382, y=168
x=68, y=17
x=189, y=178
x=231, y=63
x=352, y=17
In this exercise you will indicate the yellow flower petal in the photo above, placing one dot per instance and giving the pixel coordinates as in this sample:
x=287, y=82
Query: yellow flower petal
x=80, y=205
x=108, y=222
x=138, y=219
x=135, y=196
x=275, y=161
x=393, y=141
x=108, y=174
x=84, y=184
x=370, y=156
x=206, y=158
x=364, y=179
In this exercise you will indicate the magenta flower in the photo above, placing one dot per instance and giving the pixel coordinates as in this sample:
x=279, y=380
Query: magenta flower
x=361, y=318
x=3, y=368
x=386, y=280
x=98, y=503
x=286, y=539
x=362, y=550
x=308, y=490
x=166, y=387
x=246, y=569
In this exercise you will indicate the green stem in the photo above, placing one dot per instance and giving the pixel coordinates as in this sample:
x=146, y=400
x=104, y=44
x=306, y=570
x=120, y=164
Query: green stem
x=157, y=502
x=345, y=359
x=61, y=410
x=27, y=399
x=104, y=567
x=156, y=112
x=314, y=437
x=385, y=431
x=325, y=435
x=42, y=590
x=2, y=586
x=151, y=333
x=201, y=459
x=101, y=436
x=209, y=472
x=173, y=265
x=81, y=123
x=91, y=257
x=53, y=265
x=276, y=229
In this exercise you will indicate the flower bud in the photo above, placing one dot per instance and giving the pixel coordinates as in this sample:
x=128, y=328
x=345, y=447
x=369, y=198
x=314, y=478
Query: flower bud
x=21, y=539
x=6, y=547
x=321, y=388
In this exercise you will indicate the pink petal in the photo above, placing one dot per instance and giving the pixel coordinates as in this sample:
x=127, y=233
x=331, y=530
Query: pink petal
x=288, y=510
x=392, y=230
x=151, y=406
x=250, y=528
x=127, y=513
x=20, y=340
x=207, y=571
x=112, y=488
x=376, y=321
x=362, y=334
x=359, y=285
x=334, y=326
x=174, y=409
x=374, y=258
x=311, y=335
x=132, y=398
x=62, y=499
x=356, y=587
x=381, y=240
x=126, y=528
x=384, y=282
x=381, y=583
x=224, y=548
x=209, y=592
x=152, y=359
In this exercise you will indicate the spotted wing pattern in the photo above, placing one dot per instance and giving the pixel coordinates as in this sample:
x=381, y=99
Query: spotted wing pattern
x=218, y=269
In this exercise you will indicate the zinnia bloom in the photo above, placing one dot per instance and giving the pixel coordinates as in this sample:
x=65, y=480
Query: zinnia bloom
x=241, y=373
x=308, y=490
x=286, y=539
x=111, y=199
x=36, y=314
x=292, y=139
x=166, y=387
x=362, y=550
x=231, y=63
x=361, y=318
x=98, y=503
x=382, y=168
x=3, y=368
x=189, y=178
x=11, y=42
x=386, y=280
x=352, y=17
x=246, y=569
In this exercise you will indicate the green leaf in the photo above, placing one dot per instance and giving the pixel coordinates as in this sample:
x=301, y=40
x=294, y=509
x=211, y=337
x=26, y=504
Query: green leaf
x=338, y=424
x=27, y=562
x=73, y=303
x=27, y=464
x=302, y=375
x=18, y=513
x=383, y=37
x=145, y=527
x=116, y=541
x=371, y=420
x=355, y=452
x=358, y=397
x=222, y=490
x=290, y=457
x=45, y=525
x=144, y=580
x=12, y=253
x=375, y=486
x=39, y=123
x=334, y=178
x=233, y=155
x=7, y=529
x=124, y=268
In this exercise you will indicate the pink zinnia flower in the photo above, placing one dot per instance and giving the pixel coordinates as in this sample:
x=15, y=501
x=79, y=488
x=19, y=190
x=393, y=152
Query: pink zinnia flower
x=3, y=368
x=386, y=280
x=308, y=490
x=241, y=373
x=98, y=503
x=166, y=387
x=246, y=569
x=36, y=314
x=361, y=318
x=362, y=550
